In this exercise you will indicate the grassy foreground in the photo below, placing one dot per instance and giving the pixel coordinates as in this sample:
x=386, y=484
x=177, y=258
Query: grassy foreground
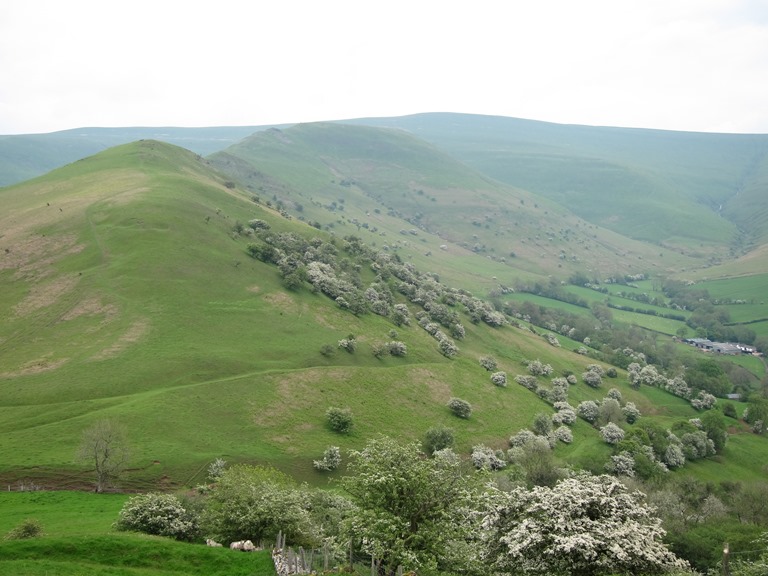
x=126, y=555
x=78, y=539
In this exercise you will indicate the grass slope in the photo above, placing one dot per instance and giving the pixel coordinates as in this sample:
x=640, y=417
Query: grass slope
x=126, y=294
x=26, y=156
x=392, y=188
x=660, y=186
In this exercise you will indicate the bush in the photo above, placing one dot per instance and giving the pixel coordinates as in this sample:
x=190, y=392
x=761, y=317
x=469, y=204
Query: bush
x=437, y=438
x=564, y=434
x=499, y=378
x=397, y=348
x=485, y=458
x=339, y=419
x=611, y=433
x=160, y=515
x=448, y=348
x=348, y=344
x=327, y=350
x=460, y=408
x=631, y=412
x=589, y=410
x=331, y=459
x=488, y=362
x=29, y=528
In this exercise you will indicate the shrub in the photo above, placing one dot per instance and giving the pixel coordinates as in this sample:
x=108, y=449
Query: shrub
x=327, y=350
x=542, y=424
x=614, y=393
x=331, y=459
x=460, y=408
x=499, y=378
x=397, y=348
x=631, y=412
x=348, y=344
x=488, y=362
x=564, y=434
x=437, y=438
x=339, y=419
x=527, y=381
x=611, y=433
x=592, y=379
x=29, y=528
x=160, y=515
x=448, y=348
x=621, y=464
x=537, y=368
x=216, y=469
x=485, y=458
x=589, y=410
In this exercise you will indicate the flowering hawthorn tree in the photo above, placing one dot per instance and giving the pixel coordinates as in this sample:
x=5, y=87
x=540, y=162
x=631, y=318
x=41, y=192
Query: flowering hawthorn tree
x=412, y=511
x=584, y=525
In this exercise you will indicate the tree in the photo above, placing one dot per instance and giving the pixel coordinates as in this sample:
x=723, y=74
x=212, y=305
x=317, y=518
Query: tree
x=412, y=511
x=255, y=503
x=713, y=423
x=105, y=447
x=584, y=525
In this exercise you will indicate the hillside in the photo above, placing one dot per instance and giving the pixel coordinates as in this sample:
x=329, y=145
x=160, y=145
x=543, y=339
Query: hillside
x=26, y=156
x=127, y=292
x=693, y=192
x=388, y=176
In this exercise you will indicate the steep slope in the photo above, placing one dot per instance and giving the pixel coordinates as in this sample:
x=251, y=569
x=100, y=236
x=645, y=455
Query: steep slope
x=126, y=292
x=396, y=184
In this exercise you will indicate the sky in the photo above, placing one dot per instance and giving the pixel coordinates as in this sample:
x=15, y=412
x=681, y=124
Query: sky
x=698, y=65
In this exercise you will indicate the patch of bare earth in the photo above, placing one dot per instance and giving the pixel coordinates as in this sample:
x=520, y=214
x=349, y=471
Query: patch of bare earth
x=91, y=307
x=282, y=301
x=135, y=332
x=35, y=367
x=43, y=295
x=438, y=390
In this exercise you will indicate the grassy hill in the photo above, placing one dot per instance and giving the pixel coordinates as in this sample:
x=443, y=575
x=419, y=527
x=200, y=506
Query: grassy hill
x=127, y=293
x=26, y=156
x=692, y=192
x=397, y=185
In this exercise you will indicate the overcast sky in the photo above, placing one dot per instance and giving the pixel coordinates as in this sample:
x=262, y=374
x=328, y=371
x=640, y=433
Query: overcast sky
x=674, y=64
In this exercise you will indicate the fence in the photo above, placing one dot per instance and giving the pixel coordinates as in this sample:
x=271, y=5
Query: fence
x=289, y=561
